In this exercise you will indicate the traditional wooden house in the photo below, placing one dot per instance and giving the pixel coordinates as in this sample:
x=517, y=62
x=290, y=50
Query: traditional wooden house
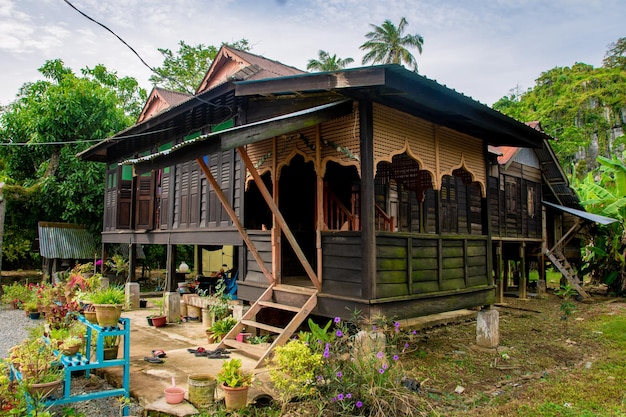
x=364, y=189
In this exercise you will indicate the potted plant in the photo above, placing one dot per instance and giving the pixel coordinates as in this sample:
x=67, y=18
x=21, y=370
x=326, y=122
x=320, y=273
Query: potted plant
x=15, y=294
x=235, y=383
x=118, y=265
x=221, y=327
x=71, y=345
x=32, y=309
x=35, y=358
x=108, y=303
x=158, y=320
x=110, y=347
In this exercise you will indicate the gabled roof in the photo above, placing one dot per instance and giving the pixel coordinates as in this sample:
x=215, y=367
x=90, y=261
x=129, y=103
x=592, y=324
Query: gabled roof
x=160, y=100
x=233, y=64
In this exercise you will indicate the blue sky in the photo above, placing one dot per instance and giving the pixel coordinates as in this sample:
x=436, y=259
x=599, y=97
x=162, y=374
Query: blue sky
x=481, y=48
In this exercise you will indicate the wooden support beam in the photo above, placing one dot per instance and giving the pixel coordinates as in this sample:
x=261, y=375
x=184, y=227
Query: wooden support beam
x=231, y=212
x=280, y=219
x=319, y=201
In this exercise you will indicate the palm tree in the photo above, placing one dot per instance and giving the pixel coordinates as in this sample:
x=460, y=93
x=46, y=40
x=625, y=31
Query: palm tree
x=327, y=62
x=387, y=45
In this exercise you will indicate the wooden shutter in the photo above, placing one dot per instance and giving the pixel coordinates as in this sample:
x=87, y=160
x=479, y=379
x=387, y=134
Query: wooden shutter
x=145, y=202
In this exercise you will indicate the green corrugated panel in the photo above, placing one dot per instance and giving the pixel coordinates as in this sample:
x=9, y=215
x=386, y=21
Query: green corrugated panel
x=65, y=241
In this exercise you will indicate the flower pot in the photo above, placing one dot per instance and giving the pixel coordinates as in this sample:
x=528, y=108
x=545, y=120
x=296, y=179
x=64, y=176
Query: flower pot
x=41, y=391
x=174, y=395
x=34, y=315
x=71, y=350
x=159, y=321
x=108, y=315
x=110, y=353
x=90, y=316
x=143, y=303
x=201, y=390
x=210, y=337
x=243, y=337
x=149, y=319
x=235, y=398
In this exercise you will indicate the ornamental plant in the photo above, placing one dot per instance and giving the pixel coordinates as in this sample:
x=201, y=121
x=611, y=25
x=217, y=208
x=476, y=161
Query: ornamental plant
x=113, y=294
x=296, y=370
x=15, y=293
x=361, y=372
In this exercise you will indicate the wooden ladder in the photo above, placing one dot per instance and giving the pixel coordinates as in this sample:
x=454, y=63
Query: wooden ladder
x=298, y=300
x=560, y=261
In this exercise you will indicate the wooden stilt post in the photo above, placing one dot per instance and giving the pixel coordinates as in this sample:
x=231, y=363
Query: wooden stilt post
x=522, y=272
x=319, y=201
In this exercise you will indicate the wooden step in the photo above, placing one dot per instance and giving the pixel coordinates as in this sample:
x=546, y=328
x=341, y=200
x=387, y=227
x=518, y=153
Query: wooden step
x=256, y=324
x=277, y=306
x=255, y=351
x=294, y=289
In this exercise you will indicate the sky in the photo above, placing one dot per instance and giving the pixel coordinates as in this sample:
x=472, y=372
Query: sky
x=481, y=48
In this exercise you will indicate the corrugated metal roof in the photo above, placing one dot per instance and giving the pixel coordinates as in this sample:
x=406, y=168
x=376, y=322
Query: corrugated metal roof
x=596, y=218
x=65, y=241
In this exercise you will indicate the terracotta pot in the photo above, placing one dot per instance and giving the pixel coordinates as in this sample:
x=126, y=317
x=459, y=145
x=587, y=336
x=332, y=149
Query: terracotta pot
x=71, y=350
x=235, y=398
x=41, y=391
x=159, y=321
x=108, y=315
x=210, y=337
x=174, y=395
x=90, y=316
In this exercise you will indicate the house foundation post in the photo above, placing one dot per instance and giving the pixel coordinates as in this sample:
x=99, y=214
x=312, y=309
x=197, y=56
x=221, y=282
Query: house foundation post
x=488, y=328
x=172, y=306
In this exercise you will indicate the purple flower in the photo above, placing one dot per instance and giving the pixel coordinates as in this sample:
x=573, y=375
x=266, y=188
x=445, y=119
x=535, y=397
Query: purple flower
x=340, y=397
x=327, y=346
x=395, y=357
x=348, y=395
x=334, y=399
x=406, y=345
x=380, y=355
x=397, y=324
x=414, y=332
x=381, y=371
x=337, y=320
x=385, y=366
x=326, y=354
x=339, y=374
x=339, y=333
x=373, y=327
x=359, y=404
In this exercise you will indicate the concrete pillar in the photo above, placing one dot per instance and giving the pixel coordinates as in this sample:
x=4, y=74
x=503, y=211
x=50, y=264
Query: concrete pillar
x=172, y=306
x=488, y=328
x=131, y=290
x=208, y=318
x=541, y=288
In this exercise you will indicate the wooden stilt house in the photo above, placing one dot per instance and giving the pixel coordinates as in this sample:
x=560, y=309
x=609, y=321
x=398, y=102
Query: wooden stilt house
x=363, y=189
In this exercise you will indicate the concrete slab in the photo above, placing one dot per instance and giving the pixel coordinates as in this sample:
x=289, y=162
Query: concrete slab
x=148, y=380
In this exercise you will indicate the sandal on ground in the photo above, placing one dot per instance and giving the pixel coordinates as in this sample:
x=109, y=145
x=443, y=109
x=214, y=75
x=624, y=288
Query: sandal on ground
x=217, y=354
x=159, y=353
x=153, y=359
x=199, y=349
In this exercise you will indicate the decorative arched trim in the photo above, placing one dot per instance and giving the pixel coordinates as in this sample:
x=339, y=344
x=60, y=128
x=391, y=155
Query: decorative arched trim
x=287, y=160
x=406, y=148
x=341, y=162
x=261, y=172
x=461, y=165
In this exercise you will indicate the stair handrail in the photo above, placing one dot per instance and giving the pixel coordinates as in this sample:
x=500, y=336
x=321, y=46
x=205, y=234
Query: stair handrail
x=336, y=214
x=387, y=220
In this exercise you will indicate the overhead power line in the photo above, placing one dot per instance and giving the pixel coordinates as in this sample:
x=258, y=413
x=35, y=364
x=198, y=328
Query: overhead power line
x=154, y=70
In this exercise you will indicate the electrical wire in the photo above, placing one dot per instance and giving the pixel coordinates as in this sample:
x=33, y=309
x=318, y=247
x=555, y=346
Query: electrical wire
x=69, y=142
x=154, y=70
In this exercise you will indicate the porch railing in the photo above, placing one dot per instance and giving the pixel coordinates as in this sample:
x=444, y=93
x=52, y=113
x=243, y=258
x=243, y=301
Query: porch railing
x=384, y=221
x=336, y=215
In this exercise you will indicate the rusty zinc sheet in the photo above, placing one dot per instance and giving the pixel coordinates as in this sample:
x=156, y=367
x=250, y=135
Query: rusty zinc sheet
x=65, y=241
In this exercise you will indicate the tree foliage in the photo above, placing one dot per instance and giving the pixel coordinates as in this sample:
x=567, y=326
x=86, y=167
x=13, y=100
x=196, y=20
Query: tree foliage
x=603, y=192
x=387, y=44
x=326, y=62
x=184, y=69
x=582, y=107
x=50, y=121
x=616, y=55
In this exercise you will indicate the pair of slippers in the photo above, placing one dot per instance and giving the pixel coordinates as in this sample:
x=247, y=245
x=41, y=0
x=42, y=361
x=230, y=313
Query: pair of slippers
x=156, y=357
x=211, y=354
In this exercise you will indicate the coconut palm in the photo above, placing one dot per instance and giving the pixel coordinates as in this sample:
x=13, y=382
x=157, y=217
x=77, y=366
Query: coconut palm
x=388, y=45
x=325, y=62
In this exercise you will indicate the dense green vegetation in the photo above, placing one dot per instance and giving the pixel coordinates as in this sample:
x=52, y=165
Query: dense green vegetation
x=582, y=107
x=49, y=122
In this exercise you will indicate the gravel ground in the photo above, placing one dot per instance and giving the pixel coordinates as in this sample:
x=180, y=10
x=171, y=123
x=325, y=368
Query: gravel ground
x=14, y=327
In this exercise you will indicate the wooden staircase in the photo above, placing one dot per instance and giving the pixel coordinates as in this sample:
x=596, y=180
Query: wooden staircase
x=298, y=300
x=561, y=263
